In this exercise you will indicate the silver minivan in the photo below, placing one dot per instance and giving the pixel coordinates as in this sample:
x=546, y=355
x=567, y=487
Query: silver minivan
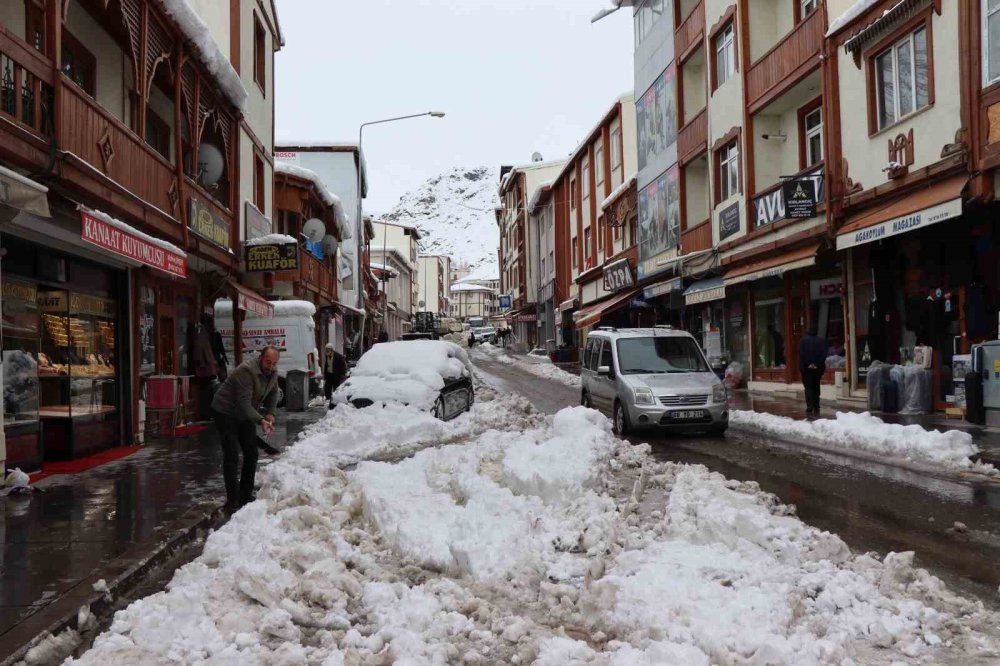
x=652, y=377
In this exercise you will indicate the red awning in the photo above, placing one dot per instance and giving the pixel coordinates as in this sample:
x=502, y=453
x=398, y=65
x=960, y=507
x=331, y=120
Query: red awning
x=592, y=314
x=252, y=302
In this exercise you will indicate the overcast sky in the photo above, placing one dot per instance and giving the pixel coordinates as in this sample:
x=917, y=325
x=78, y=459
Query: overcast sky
x=513, y=76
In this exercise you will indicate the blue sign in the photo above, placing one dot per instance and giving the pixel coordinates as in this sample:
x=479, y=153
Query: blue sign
x=505, y=302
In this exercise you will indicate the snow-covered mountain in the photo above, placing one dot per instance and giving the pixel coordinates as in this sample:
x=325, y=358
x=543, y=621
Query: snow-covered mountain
x=454, y=213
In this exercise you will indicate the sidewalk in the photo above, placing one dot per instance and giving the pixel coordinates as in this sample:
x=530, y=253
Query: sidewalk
x=100, y=523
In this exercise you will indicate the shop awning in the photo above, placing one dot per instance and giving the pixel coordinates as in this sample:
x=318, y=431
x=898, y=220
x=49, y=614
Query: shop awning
x=773, y=266
x=936, y=203
x=705, y=291
x=661, y=288
x=349, y=308
x=23, y=193
x=590, y=315
x=115, y=236
x=568, y=304
x=250, y=301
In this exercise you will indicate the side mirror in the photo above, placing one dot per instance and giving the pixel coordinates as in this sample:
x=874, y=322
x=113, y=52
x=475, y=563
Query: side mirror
x=604, y=371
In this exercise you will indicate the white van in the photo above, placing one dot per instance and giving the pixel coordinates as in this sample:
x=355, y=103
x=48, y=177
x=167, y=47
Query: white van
x=292, y=330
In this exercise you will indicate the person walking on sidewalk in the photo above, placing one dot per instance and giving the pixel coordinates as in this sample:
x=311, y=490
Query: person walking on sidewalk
x=252, y=384
x=334, y=370
x=812, y=365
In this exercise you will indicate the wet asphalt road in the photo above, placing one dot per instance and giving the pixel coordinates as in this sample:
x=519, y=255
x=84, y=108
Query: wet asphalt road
x=871, y=507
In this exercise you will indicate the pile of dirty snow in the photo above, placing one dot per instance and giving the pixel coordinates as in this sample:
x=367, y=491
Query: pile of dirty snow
x=537, y=366
x=950, y=450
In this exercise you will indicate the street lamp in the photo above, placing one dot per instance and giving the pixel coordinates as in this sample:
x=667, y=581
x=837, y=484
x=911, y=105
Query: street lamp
x=385, y=259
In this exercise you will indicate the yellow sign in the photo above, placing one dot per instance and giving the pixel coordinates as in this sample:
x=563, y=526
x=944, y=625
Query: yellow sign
x=93, y=305
x=206, y=224
x=19, y=291
x=283, y=257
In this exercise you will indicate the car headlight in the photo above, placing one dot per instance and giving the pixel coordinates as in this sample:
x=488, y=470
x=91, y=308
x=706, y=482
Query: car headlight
x=719, y=393
x=643, y=396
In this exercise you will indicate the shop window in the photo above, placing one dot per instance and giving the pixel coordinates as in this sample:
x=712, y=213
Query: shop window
x=79, y=64
x=725, y=55
x=147, y=333
x=902, y=78
x=991, y=41
x=259, y=53
x=828, y=317
x=20, y=354
x=769, y=326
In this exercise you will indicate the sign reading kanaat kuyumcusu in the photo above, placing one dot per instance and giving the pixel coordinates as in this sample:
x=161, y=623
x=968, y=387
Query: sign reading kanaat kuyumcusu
x=118, y=240
x=283, y=257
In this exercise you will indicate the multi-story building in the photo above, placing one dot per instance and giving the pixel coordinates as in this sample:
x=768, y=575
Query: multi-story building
x=516, y=281
x=396, y=274
x=341, y=167
x=404, y=240
x=129, y=116
x=474, y=299
x=434, y=276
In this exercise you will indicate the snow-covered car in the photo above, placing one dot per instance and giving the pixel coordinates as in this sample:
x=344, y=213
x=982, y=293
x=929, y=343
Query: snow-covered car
x=433, y=375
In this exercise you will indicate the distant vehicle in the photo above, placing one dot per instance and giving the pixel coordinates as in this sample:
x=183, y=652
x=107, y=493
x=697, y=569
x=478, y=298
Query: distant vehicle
x=292, y=330
x=652, y=377
x=485, y=334
x=475, y=322
x=425, y=322
x=431, y=375
x=416, y=336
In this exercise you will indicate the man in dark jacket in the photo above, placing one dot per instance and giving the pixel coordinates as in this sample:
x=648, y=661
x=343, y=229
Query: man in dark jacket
x=252, y=384
x=812, y=365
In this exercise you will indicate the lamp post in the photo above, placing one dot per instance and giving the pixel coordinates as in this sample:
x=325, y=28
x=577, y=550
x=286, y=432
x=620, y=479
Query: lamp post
x=361, y=131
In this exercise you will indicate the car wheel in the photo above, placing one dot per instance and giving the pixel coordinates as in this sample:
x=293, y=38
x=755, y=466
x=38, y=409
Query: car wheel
x=585, y=400
x=622, y=427
x=718, y=430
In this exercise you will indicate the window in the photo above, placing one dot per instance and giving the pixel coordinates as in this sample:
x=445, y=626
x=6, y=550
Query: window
x=79, y=64
x=902, y=78
x=660, y=355
x=585, y=177
x=551, y=259
x=258, y=182
x=725, y=55
x=812, y=137
x=35, y=25
x=729, y=170
x=806, y=7
x=157, y=134
x=646, y=15
x=616, y=147
x=606, y=358
x=576, y=251
x=586, y=244
x=991, y=41
x=259, y=50
x=572, y=194
x=599, y=164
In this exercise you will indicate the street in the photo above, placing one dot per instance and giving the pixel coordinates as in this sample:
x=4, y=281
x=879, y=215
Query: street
x=872, y=507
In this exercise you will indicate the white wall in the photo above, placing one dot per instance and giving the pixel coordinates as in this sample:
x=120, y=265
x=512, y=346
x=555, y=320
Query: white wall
x=215, y=14
x=770, y=21
x=110, y=87
x=695, y=84
x=697, y=190
x=259, y=111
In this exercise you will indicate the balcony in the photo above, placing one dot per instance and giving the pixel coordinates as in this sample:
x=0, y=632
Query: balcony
x=25, y=94
x=789, y=60
x=690, y=32
x=315, y=276
x=697, y=238
x=692, y=140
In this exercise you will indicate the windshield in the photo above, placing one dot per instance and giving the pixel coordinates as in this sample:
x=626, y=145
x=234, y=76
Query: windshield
x=659, y=355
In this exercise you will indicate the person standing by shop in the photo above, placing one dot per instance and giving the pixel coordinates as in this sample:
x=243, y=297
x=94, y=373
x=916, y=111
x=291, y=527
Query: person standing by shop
x=812, y=365
x=334, y=370
x=252, y=384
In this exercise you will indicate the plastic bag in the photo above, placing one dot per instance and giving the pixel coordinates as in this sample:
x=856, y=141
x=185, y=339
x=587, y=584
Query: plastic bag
x=917, y=393
x=733, y=377
x=878, y=374
x=17, y=479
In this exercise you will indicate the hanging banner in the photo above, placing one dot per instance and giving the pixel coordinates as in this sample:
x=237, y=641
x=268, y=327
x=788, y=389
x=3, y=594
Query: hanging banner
x=800, y=198
x=131, y=245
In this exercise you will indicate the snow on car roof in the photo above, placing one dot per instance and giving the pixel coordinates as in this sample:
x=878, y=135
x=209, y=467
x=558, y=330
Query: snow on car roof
x=641, y=332
x=412, y=372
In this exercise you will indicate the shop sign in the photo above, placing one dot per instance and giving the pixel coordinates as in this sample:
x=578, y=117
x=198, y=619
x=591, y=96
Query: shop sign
x=206, y=224
x=255, y=306
x=118, y=240
x=257, y=223
x=526, y=317
x=276, y=257
x=729, y=221
x=902, y=224
x=706, y=295
x=505, y=302
x=661, y=288
x=827, y=288
x=800, y=198
x=92, y=305
x=20, y=307
x=618, y=276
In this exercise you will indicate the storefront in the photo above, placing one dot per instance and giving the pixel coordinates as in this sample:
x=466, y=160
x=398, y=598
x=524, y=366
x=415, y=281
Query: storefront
x=921, y=271
x=705, y=319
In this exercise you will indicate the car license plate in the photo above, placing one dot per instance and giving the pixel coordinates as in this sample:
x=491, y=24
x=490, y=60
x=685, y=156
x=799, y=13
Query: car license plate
x=688, y=414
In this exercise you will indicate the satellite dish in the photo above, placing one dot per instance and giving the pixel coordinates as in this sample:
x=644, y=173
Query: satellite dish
x=536, y=157
x=210, y=164
x=420, y=304
x=314, y=230
x=330, y=244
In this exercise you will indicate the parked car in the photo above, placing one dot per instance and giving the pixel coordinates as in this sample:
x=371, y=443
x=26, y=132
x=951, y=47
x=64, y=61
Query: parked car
x=652, y=377
x=433, y=375
x=416, y=336
x=485, y=334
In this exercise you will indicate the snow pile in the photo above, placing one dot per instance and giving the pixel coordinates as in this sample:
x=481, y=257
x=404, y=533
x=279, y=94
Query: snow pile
x=224, y=309
x=411, y=372
x=454, y=213
x=536, y=366
x=948, y=450
x=513, y=538
x=211, y=56
x=271, y=239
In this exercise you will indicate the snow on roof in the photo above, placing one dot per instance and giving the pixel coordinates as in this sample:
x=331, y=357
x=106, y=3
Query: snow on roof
x=530, y=166
x=224, y=307
x=328, y=197
x=466, y=286
x=617, y=192
x=853, y=12
x=128, y=228
x=331, y=145
x=211, y=56
x=401, y=225
x=624, y=97
x=271, y=239
x=537, y=195
x=412, y=372
x=382, y=267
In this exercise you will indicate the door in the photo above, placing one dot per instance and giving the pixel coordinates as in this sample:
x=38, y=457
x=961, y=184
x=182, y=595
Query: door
x=605, y=386
x=165, y=344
